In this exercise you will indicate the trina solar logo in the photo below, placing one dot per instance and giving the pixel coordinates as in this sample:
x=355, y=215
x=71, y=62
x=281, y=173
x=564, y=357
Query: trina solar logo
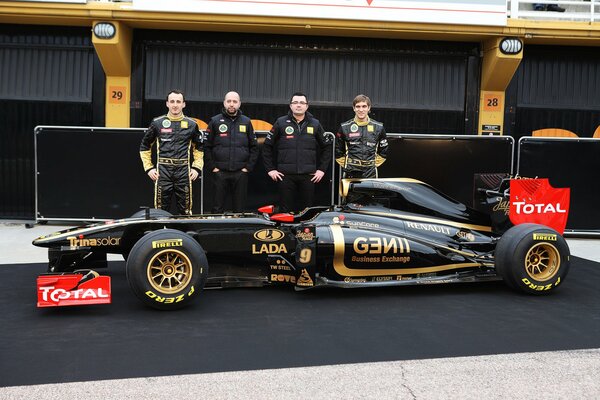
x=83, y=242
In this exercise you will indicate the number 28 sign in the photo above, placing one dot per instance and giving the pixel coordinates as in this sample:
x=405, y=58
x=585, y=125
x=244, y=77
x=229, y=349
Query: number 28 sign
x=492, y=102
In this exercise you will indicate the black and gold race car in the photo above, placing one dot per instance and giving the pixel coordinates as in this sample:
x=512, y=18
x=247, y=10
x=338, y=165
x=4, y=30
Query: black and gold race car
x=387, y=232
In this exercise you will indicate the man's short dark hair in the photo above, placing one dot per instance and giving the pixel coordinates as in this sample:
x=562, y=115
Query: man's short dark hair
x=176, y=91
x=360, y=99
x=299, y=94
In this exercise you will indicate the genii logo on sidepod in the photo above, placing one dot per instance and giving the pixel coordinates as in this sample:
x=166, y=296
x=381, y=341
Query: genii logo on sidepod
x=535, y=201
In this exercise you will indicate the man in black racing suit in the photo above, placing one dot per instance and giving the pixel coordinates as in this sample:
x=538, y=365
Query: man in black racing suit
x=178, y=154
x=361, y=143
x=296, y=154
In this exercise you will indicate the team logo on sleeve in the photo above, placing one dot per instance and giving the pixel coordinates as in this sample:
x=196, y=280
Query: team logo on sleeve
x=166, y=123
x=184, y=124
x=370, y=128
x=222, y=128
x=310, y=130
x=289, y=130
x=353, y=128
x=243, y=128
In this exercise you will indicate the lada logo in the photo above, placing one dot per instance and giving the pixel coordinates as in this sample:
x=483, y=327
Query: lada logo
x=269, y=235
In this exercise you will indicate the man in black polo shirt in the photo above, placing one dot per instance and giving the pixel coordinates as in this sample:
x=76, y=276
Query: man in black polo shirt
x=297, y=154
x=230, y=152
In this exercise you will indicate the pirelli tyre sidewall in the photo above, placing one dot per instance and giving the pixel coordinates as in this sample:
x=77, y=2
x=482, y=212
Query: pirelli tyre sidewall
x=532, y=258
x=167, y=269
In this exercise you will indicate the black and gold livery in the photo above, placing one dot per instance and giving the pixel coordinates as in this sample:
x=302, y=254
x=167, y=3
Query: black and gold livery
x=178, y=148
x=360, y=148
x=387, y=232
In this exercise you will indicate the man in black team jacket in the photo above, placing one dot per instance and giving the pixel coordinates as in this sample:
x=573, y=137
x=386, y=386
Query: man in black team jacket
x=230, y=152
x=178, y=142
x=302, y=153
x=361, y=144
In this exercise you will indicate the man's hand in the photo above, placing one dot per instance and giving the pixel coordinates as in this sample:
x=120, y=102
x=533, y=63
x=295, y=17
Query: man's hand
x=244, y=170
x=215, y=169
x=193, y=174
x=317, y=176
x=276, y=175
x=153, y=174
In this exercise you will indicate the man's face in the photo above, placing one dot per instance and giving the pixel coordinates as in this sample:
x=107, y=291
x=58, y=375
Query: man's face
x=361, y=109
x=299, y=105
x=232, y=103
x=175, y=104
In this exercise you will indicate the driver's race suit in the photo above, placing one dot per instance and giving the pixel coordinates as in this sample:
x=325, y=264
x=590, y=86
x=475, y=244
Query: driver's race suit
x=178, y=148
x=360, y=148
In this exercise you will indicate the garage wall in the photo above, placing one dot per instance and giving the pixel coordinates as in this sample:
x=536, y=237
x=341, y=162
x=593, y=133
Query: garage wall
x=555, y=87
x=415, y=86
x=46, y=78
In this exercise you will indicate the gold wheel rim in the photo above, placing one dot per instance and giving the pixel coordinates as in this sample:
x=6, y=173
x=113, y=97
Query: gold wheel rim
x=169, y=271
x=542, y=262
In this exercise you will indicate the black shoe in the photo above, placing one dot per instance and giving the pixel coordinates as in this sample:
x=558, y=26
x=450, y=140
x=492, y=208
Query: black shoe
x=555, y=7
x=539, y=7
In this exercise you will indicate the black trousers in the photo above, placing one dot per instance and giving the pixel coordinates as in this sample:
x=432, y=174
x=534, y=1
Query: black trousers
x=296, y=187
x=173, y=179
x=368, y=172
x=234, y=183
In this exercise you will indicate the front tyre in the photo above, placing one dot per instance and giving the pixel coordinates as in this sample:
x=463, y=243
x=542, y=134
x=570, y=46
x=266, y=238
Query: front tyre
x=532, y=258
x=167, y=269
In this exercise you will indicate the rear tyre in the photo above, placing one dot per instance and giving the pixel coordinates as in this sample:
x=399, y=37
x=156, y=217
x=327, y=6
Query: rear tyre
x=167, y=269
x=532, y=258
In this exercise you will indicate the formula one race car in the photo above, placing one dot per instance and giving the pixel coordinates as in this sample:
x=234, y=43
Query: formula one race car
x=387, y=232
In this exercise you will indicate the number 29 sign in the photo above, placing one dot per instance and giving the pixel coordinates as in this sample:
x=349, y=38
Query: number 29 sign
x=117, y=94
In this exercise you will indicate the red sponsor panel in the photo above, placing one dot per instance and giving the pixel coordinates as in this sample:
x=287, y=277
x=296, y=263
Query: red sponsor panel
x=535, y=201
x=66, y=290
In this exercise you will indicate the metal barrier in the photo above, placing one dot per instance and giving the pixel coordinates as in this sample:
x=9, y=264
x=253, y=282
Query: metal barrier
x=448, y=162
x=89, y=173
x=567, y=162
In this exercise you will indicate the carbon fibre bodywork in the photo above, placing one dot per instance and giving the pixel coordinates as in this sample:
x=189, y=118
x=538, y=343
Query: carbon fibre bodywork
x=387, y=232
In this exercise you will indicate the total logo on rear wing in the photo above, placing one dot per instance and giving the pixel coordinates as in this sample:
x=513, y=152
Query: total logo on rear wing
x=535, y=201
x=73, y=290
